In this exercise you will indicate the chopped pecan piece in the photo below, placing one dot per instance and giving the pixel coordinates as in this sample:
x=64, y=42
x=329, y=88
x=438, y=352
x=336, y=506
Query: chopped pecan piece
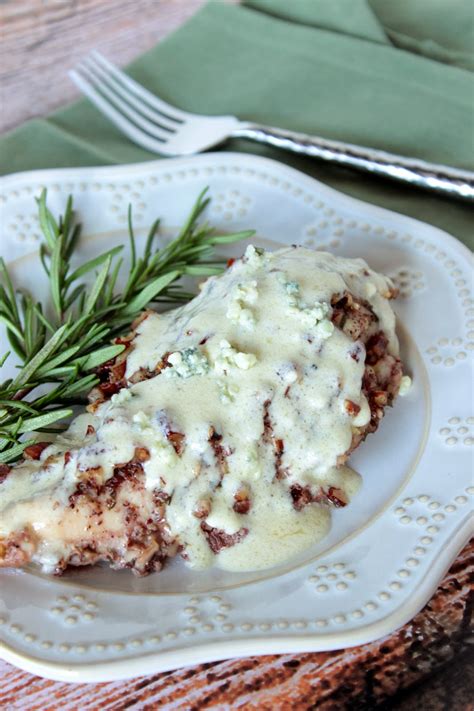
x=279, y=446
x=89, y=486
x=221, y=452
x=380, y=397
x=242, y=501
x=33, y=451
x=124, y=472
x=267, y=423
x=203, y=509
x=218, y=539
x=4, y=472
x=161, y=497
x=376, y=347
x=337, y=497
x=269, y=438
x=163, y=363
x=17, y=550
x=140, y=375
x=354, y=317
x=352, y=408
x=177, y=440
x=301, y=496
x=142, y=454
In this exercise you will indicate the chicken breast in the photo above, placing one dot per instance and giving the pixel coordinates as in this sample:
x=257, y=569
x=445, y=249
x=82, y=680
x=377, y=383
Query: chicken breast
x=222, y=431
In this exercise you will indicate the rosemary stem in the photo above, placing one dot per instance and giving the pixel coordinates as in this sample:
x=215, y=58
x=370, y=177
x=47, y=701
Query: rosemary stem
x=64, y=352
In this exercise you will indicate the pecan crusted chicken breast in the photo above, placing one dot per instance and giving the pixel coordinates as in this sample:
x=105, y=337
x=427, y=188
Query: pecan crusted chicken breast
x=221, y=433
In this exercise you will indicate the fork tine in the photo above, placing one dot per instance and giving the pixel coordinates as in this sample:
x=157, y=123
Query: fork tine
x=123, y=124
x=110, y=80
x=143, y=123
x=152, y=100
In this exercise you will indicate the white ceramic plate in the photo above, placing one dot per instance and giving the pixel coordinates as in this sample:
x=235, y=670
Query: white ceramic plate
x=386, y=552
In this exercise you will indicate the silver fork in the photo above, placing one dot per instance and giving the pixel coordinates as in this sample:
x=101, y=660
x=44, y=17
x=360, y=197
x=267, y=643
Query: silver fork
x=164, y=129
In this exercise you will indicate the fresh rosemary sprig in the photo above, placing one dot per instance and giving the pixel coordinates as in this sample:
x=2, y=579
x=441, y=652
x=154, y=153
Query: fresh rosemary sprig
x=61, y=347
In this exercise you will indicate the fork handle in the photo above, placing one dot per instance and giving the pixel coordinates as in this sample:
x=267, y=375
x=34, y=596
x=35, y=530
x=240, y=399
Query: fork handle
x=440, y=178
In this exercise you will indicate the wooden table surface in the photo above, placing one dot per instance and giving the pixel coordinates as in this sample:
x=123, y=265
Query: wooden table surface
x=40, y=39
x=357, y=678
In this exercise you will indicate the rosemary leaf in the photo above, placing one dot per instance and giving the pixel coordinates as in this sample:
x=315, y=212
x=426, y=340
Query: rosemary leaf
x=55, y=276
x=102, y=356
x=79, y=386
x=8, y=298
x=92, y=264
x=54, y=362
x=133, y=249
x=61, y=352
x=18, y=405
x=47, y=227
x=34, y=423
x=97, y=288
x=149, y=293
x=11, y=327
x=34, y=364
x=14, y=452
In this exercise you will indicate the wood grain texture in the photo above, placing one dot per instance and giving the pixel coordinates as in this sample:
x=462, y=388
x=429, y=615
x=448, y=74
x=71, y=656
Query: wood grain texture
x=42, y=39
x=358, y=678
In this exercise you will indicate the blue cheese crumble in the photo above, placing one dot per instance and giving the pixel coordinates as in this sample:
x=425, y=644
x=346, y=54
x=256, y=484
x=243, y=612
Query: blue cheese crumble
x=315, y=316
x=186, y=363
x=230, y=358
x=243, y=295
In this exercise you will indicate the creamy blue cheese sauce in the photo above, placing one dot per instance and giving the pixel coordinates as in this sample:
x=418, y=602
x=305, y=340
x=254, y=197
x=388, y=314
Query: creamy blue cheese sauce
x=255, y=359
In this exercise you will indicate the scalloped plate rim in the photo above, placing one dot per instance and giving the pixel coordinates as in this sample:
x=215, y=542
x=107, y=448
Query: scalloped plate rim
x=153, y=661
x=232, y=155
x=157, y=662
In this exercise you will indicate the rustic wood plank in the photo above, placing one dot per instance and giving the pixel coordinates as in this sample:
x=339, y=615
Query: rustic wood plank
x=41, y=40
x=349, y=679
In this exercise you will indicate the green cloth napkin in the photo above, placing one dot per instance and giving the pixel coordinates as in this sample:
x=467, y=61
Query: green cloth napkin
x=326, y=67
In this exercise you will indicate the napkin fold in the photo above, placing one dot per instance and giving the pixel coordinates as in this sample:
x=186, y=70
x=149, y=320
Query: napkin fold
x=434, y=28
x=326, y=67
